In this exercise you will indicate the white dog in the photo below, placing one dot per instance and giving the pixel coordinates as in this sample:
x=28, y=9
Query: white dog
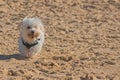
x=31, y=37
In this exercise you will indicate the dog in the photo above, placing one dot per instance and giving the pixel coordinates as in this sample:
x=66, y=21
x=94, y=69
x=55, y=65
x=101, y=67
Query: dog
x=31, y=37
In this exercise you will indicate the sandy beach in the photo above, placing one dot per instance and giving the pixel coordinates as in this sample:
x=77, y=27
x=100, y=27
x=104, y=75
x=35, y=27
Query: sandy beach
x=82, y=40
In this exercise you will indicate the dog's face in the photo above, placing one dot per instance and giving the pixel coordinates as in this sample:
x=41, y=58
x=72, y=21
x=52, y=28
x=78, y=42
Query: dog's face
x=31, y=29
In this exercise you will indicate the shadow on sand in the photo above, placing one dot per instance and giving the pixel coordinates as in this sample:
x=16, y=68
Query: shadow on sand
x=5, y=57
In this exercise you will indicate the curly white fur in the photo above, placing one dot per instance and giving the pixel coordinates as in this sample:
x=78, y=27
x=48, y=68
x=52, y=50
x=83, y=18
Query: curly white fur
x=38, y=28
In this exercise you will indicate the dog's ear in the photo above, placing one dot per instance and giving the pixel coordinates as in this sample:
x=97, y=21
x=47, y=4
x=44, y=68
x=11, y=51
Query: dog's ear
x=21, y=23
x=42, y=28
x=41, y=25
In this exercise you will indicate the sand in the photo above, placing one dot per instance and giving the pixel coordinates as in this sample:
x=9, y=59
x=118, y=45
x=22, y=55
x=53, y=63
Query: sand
x=82, y=40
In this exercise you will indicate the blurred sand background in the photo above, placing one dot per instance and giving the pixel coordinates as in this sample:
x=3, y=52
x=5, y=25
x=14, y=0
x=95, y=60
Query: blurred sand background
x=82, y=40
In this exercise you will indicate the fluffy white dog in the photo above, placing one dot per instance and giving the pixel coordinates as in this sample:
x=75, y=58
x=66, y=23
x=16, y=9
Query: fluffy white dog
x=31, y=37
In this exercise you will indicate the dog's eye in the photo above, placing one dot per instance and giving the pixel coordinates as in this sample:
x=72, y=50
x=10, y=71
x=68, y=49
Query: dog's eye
x=28, y=27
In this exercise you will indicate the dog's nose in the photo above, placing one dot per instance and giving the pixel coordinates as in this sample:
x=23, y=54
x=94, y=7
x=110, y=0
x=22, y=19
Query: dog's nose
x=32, y=32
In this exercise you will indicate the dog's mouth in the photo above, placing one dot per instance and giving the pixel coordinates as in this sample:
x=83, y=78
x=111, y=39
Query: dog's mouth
x=31, y=35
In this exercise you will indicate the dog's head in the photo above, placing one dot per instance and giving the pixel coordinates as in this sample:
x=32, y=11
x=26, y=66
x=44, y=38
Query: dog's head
x=31, y=29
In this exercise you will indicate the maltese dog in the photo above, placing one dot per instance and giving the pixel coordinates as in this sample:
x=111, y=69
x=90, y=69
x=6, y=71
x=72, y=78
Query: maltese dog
x=31, y=37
